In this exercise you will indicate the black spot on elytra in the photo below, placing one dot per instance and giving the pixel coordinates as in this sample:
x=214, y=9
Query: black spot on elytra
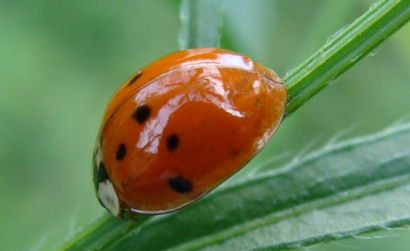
x=135, y=78
x=172, y=142
x=179, y=184
x=142, y=113
x=122, y=150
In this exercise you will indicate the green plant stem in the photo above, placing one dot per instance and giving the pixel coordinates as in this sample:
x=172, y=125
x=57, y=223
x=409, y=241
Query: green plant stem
x=345, y=49
x=105, y=231
x=200, y=23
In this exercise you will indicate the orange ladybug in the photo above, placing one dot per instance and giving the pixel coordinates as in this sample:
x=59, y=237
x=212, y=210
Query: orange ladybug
x=181, y=126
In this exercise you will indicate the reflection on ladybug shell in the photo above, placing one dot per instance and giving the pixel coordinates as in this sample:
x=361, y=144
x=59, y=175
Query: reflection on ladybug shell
x=181, y=126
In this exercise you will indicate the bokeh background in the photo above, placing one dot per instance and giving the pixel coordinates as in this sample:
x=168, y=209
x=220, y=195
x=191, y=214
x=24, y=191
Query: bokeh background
x=60, y=61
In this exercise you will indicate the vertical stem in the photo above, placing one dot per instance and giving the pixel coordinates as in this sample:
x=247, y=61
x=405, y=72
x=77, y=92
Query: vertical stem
x=201, y=22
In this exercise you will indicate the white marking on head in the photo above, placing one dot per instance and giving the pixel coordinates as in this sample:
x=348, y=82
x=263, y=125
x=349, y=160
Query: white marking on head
x=108, y=197
x=97, y=151
x=106, y=192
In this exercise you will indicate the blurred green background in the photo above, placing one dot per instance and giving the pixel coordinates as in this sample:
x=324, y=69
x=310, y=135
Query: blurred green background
x=60, y=61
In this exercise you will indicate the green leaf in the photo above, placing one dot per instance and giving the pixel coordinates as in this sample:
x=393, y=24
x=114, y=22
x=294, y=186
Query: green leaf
x=352, y=187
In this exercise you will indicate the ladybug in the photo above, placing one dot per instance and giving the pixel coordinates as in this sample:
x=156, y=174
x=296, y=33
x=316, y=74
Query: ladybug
x=181, y=126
